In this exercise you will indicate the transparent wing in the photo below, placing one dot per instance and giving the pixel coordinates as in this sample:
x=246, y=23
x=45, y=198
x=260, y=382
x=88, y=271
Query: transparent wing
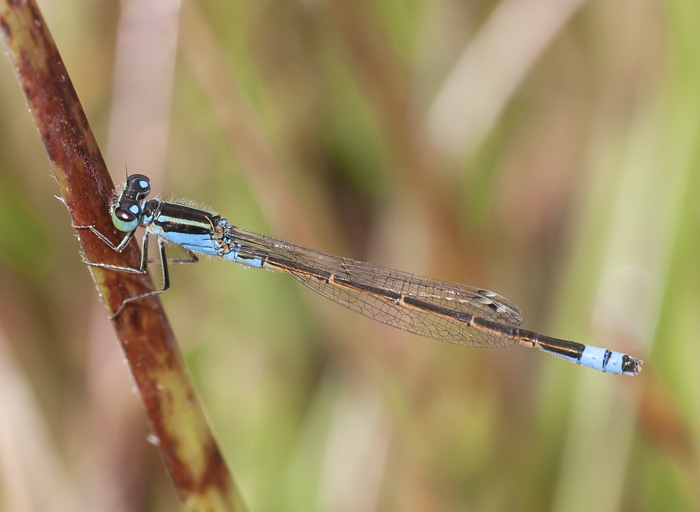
x=375, y=291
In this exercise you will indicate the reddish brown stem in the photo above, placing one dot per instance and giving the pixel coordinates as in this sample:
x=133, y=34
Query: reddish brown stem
x=185, y=441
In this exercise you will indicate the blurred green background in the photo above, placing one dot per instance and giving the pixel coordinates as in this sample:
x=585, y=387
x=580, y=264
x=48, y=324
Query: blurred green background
x=545, y=150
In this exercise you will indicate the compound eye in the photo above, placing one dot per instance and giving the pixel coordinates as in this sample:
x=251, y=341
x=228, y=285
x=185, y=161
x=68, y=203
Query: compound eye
x=126, y=218
x=140, y=184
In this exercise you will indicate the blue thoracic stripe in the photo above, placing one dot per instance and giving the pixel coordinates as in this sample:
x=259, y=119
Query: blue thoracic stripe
x=193, y=242
x=435, y=309
x=184, y=219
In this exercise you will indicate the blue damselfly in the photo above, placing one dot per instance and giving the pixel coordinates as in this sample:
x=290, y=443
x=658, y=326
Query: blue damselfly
x=435, y=309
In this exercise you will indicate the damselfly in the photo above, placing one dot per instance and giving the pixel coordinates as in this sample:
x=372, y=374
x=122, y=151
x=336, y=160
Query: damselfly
x=440, y=310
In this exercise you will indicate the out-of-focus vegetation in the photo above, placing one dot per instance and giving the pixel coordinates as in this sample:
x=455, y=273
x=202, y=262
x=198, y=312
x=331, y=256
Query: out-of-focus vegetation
x=548, y=153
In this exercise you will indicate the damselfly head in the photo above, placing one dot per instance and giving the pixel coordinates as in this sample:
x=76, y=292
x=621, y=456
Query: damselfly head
x=126, y=209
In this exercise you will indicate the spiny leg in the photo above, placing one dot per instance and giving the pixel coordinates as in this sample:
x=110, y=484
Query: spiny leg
x=192, y=258
x=144, y=264
x=118, y=248
x=142, y=267
x=144, y=253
